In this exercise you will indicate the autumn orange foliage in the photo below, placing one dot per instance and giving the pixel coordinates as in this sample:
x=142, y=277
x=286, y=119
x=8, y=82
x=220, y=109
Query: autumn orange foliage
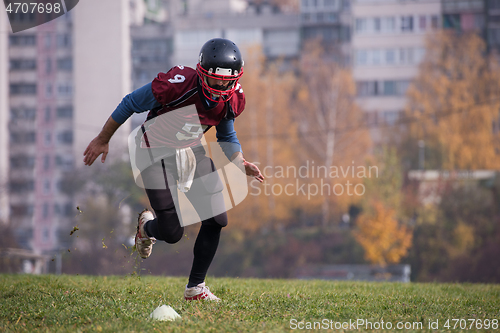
x=383, y=238
x=454, y=103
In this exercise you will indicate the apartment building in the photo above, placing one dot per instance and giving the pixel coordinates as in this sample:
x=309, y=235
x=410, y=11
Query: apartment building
x=247, y=24
x=331, y=22
x=63, y=81
x=388, y=43
x=152, y=50
x=4, y=116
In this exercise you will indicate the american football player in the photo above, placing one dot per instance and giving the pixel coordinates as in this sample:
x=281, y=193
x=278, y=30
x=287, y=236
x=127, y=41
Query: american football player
x=213, y=97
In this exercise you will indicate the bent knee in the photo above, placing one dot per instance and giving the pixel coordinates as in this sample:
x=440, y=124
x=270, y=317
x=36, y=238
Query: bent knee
x=169, y=227
x=173, y=238
x=219, y=220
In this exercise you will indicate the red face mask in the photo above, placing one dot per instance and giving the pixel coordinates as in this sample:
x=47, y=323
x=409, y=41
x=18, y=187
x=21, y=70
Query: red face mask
x=218, y=93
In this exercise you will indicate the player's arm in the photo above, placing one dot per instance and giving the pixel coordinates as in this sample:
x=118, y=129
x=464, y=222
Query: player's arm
x=226, y=136
x=250, y=169
x=100, y=144
x=139, y=100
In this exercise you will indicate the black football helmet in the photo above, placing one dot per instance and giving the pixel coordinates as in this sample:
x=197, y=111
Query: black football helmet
x=219, y=59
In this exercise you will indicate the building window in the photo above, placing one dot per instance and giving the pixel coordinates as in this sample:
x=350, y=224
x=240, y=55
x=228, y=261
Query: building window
x=391, y=117
x=419, y=53
x=68, y=209
x=329, y=3
x=22, y=162
x=366, y=88
x=390, y=88
x=22, y=137
x=22, y=89
x=65, y=162
x=422, y=22
x=65, y=90
x=333, y=17
x=388, y=24
x=22, y=186
x=46, y=162
x=22, y=40
x=361, y=57
x=22, y=64
x=21, y=210
x=47, y=139
x=48, y=90
x=22, y=114
x=361, y=25
x=407, y=23
x=64, y=40
x=65, y=137
x=47, y=41
x=377, y=24
x=65, y=64
x=390, y=56
x=494, y=4
x=434, y=22
x=45, y=210
x=65, y=112
x=402, y=86
x=47, y=114
x=45, y=235
x=406, y=56
x=494, y=36
x=46, y=186
x=30, y=137
x=48, y=66
x=376, y=57
x=386, y=88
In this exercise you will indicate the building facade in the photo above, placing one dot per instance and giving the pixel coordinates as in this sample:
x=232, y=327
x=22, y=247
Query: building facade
x=4, y=118
x=329, y=21
x=388, y=43
x=63, y=81
x=276, y=33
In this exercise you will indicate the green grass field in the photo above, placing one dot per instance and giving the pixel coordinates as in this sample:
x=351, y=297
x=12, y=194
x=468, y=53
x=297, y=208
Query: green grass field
x=123, y=303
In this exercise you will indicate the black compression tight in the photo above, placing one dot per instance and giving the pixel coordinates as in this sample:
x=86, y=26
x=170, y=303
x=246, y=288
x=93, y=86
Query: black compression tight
x=204, y=251
x=205, y=246
x=167, y=227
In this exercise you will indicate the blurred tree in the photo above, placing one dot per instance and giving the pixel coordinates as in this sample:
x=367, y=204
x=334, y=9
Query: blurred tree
x=268, y=135
x=453, y=105
x=8, y=240
x=461, y=228
x=328, y=123
x=384, y=240
x=105, y=198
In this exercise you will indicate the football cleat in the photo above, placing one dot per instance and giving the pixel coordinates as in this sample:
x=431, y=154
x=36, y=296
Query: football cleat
x=144, y=243
x=199, y=292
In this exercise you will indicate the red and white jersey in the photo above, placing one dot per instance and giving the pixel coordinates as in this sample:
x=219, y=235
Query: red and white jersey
x=185, y=114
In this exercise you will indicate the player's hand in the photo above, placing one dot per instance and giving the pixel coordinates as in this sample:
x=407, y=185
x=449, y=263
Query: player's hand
x=253, y=171
x=95, y=148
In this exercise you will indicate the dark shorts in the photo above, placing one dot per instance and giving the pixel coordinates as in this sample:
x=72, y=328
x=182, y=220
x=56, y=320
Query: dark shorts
x=205, y=195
